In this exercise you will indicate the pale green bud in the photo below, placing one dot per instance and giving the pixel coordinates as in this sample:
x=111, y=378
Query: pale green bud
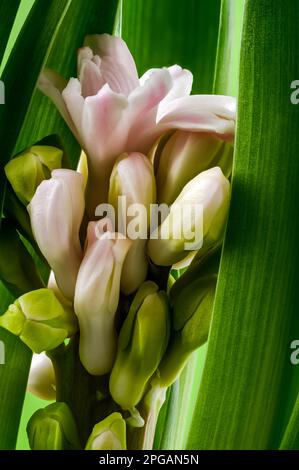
x=192, y=302
x=27, y=170
x=17, y=269
x=184, y=155
x=142, y=343
x=40, y=320
x=109, y=434
x=196, y=220
x=53, y=428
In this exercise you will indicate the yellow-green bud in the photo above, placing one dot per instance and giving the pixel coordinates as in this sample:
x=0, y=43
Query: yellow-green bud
x=109, y=434
x=40, y=320
x=184, y=155
x=27, y=170
x=53, y=428
x=142, y=343
x=196, y=220
x=192, y=302
x=17, y=269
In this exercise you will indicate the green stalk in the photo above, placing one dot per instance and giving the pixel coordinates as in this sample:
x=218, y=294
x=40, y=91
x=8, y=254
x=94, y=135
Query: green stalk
x=257, y=296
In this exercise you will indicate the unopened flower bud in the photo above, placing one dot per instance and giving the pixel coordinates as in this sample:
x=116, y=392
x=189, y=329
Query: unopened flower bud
x=40, y=320
x=185, y=155
x=196, y=220
x=192, y=303
x=142, y=343
x=41, y=380
x=19, y=274
x=56, y=213
x=133, y=183
x=27, y=170
x=53, y=428
x=109, y=434
x=96, y=298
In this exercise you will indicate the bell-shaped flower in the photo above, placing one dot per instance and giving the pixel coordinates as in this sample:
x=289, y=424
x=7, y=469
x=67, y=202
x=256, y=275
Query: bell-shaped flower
x=53, y=428
x=41, y=380
x=56, y=213
x=111, y=111
x=108, y=434
x=196, y=219
x=183, y=156
x=97, y=294
x=142, y=342
x=132, y=191
x=28, y=169
x=40, y=320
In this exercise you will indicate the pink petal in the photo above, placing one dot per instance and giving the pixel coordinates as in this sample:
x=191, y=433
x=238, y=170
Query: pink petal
x=207, y=113
x=104, y=132
x=144, y=101
x=84, y=53
x=104, y=127
x=56, y=213
x=117, y=64
x=89, y=73
x=74, y=103
x=52, y=85
x=182, y=83
x=220, y=105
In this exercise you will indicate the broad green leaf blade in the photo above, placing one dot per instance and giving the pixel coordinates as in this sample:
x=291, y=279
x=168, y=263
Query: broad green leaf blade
x=290, y=439
x=226, y=77
x=182, y=32
x=257, y=296
x=8, y=10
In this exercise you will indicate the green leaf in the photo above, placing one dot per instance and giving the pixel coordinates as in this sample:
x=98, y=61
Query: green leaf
x=176, y=415
x=290, y=439
x=226, y=77
x=182, y=32
x=257, y=300
x=8, y=10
